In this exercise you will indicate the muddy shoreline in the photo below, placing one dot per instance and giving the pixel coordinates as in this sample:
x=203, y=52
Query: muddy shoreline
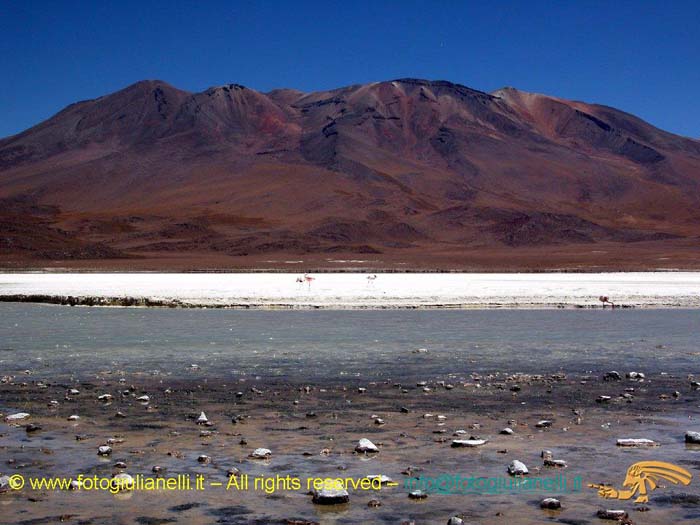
x=146, y=302
x=312, y=430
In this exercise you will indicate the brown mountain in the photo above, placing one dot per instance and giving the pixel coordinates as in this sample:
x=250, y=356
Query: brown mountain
x=401, y=174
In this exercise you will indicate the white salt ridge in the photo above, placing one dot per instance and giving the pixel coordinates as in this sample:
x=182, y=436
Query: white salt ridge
x=351, y=290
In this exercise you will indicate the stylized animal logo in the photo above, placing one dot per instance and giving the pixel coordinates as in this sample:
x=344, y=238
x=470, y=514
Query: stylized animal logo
x=642, y=478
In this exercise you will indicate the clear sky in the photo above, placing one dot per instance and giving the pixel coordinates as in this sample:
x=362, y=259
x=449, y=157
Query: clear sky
x=642, y=57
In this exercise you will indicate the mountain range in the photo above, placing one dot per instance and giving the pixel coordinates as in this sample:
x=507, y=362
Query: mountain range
x=403, y=174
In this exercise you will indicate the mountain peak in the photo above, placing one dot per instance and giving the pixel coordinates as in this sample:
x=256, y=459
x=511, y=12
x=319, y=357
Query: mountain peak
x=392, y=169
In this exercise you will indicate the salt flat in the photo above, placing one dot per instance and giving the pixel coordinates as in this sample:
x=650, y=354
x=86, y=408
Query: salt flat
x=355, y=290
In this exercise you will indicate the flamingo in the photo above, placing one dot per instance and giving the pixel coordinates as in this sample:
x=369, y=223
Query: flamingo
x=309, y=279
x=604, y=299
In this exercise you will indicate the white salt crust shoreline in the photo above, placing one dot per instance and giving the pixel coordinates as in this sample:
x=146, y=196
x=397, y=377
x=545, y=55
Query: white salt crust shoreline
x=356, y=291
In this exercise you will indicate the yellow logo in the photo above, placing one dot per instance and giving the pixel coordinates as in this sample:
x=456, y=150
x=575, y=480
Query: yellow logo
x=642, y=478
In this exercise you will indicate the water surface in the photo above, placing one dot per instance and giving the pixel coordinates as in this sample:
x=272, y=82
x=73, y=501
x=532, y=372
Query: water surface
x=335, y=345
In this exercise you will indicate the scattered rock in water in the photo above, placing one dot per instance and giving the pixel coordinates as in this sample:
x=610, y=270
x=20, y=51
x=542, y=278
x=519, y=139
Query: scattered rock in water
x=544, y=423
x=143, y=399
x=374, y=503
x=517, y=468
x=550, y=503
x=120, y=464
x=202, y=419
x=157, y=469
x=104, y=450
x=203, y=458
x=468, y=443
x=616, y=515
x=233, y=472
x=635, y=376
x=379, y=421
x=74, y=417
x=361, y=390
x=507, y=431
x=692, y=437
x=404, y=410
x=366, y=446
x=104, y=397
x=383, y=479
x=455, y=520
x=556, y=463
x=31, y=427
x=417, y=494
x=19, y=416
x=120, y=415
x=603, y=399
x=637, y=442
x=4, y=483
x=331, y=496
x=122, y=482
x=261, y=453
x=613, y=375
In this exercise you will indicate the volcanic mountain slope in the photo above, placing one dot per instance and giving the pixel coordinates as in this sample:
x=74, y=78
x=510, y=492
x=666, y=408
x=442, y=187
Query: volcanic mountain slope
x=405, y=173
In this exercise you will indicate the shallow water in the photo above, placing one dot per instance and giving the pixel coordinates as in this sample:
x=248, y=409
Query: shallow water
x=335, y=345
x=314, y=347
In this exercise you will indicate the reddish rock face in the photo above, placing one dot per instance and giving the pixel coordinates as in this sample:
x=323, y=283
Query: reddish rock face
x=407, y=173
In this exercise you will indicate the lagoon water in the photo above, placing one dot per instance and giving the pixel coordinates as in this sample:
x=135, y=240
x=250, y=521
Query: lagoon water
x=59, y=341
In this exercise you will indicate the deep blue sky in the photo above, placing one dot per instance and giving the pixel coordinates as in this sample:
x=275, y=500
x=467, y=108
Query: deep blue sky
x=642, y=57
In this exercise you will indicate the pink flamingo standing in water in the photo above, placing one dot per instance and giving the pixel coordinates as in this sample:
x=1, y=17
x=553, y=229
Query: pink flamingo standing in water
x=308, y=279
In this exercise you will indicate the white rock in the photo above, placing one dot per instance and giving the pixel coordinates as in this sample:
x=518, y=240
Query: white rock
x=123, y=481
x=261, y=453
x=4, y=483
x=383, y=479
x=202, y=419
x=692, y=437
x=104, y=450
x=19, y=416
x=74, y=391
x=507, y=431
x=331, y=496
x=616, y=515
x=544, y=423
x=455, y=520
x=469, y=443
x=550, y=503
x=517, y=468
x=204, y=459
x=104, y=397
x=74, y=417
x=641, y=442
x=557, y=463
x=365, y=445
x=143, y=399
